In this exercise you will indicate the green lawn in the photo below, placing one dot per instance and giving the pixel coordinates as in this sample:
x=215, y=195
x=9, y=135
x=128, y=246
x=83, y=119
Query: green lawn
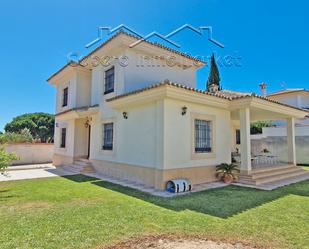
x=83, y=212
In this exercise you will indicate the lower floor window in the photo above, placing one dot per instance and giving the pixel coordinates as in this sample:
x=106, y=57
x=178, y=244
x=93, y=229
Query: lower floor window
x=108, y=136
x=203, y=136
x=63, y=137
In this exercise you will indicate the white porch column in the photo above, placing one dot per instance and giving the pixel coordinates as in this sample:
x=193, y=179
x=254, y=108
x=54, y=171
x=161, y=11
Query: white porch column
x=245, y=143
x=291, y=140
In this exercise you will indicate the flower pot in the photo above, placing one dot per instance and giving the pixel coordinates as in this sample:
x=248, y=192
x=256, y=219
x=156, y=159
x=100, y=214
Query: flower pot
x=227, y=178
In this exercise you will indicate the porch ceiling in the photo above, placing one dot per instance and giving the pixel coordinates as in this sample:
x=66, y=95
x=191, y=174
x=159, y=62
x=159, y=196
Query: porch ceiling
x=264, y=110
x=76, y=113
x=257, y=114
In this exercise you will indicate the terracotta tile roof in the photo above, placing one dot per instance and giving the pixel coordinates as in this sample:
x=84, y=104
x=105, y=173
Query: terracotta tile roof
x=224, y=94
x=169, y=83
x=232, y=94
x=136, y=38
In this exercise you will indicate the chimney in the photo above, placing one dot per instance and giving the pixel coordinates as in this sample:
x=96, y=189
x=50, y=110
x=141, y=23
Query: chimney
x=213, y=88
x=263, y=88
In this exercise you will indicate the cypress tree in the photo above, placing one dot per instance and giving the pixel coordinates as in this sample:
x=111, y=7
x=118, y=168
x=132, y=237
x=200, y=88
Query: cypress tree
x=214, y=76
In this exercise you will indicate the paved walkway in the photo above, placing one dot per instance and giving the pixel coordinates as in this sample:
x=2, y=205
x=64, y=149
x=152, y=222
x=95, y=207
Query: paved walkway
x=23, y=172
x=152, y=190
x=30, y=166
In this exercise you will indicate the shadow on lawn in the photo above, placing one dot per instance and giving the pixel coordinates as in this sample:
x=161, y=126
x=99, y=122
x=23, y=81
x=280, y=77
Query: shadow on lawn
x=80, y=178
x=222, y=202
x=4, y=195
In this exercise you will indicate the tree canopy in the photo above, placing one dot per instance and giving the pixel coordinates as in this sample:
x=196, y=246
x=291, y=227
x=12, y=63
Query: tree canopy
x=40, y=125
x=12, y=137
x=257, y=127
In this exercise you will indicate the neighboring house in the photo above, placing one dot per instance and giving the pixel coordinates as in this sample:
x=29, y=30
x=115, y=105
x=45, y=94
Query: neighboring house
x=274, y=137
x=134, y=122
x=298, y=97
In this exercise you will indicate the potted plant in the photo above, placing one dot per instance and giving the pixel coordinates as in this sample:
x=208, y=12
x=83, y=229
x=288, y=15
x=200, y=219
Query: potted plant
x=226, y=172
x=265, y=150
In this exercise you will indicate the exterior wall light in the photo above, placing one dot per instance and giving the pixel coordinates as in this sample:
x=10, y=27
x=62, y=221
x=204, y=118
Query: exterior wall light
x=125, y=115
x=88, y=122
x=184, y=110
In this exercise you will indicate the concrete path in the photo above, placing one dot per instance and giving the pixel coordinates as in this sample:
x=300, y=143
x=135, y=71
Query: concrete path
x=30, y=166
x=34, y=171
x=152, y=190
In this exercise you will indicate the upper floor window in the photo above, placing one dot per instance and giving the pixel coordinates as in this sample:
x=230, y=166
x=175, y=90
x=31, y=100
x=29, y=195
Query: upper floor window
x=108, y=130
x=65, y=97
x=63, y=137
x=237, y=136
x=109, y=80
x=203, y=136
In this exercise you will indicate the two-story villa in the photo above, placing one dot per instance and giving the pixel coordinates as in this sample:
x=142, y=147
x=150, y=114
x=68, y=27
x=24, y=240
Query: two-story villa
x=134, y=112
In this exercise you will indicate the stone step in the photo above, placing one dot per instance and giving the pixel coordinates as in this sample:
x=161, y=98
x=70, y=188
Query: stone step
x=247, y=182
x=76, y=167
x=83, y=160
x=82, y=163
x=269, y=180
x=281, y=183
x=273, y=171
x=280, y=177
x=276, y=172
x=88, y=169
x=272, y=168
x=275, y=184
x=269, y=176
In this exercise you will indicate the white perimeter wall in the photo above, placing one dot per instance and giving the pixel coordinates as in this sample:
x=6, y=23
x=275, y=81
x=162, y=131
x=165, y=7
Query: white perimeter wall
x=282, y=131
x=274, y=139
x=278, y=147
x=32, y=153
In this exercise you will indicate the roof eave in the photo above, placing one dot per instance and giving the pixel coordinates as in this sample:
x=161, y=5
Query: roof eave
x=119, y=34
x=166, y=90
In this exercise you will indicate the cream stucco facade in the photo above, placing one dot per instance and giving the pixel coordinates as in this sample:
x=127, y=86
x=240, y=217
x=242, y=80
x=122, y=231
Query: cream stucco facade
x=153, y=136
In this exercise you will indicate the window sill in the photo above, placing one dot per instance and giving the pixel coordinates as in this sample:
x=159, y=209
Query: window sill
x=107, y=153
x=107, y=148
x=109, y=91
x=203, y=155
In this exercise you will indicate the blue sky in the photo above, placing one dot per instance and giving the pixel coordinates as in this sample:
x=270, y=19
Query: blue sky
x=271, y=37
